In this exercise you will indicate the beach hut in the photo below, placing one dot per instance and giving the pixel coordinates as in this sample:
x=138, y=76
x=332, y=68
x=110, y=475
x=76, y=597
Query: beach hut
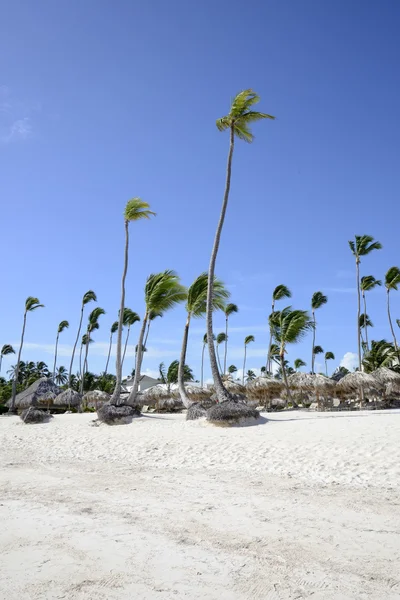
x=353, y=383
x=37, y=394
x=265, y=390
x=68, y=399
x=316, y=384
x=390, y=380
x=95, y=399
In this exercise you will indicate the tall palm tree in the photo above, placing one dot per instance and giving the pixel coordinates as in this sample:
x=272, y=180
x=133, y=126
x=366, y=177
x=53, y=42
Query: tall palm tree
x=93, y=324
x=90, y=296
x=61, y=376
x=361, y=246
x=381, y=354
x=238, y=121
x=221, y=339
x=365, y=322
x=298, y=363
x=281, y=291
x=318, y=299
x=368, y=282
x=317, y=350
x=85, y=340
x=63, y=325
x=289, y=327
x=328, y=356
x=31, y=304
x=232, y=369
x=229, y=310
x=152, y=315
x=162, y=292
x=392, y=281
x=250, y=375
x=196, y=308
x=247, y=340
x=129, y=319
x=6, y=349
x=135, y=210
x=113, y=329
x=202, y=358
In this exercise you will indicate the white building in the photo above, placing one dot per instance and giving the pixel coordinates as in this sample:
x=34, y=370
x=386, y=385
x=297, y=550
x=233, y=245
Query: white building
x=145, y=383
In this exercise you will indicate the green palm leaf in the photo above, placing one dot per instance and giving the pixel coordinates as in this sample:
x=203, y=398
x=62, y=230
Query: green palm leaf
x=329, y=356
x=163, y=291
x=318, y=299
x=368, y=282
x=32, y=303
x=318, y=350
x=248, y=339
x=221, y=337
x=392, y=278
x=196, y=304
x=137, y=209
x=7, y=349
x=241, y=116
x=114, y=327
x=129, y=317
x=281, y=291
x=90, y=296
x=63, y=325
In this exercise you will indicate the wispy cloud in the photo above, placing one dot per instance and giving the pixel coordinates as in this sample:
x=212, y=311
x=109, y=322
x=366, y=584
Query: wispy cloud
x=342, y=290
x=99, y=349
x=15, y=123
x=345, y=274
x=19, y=131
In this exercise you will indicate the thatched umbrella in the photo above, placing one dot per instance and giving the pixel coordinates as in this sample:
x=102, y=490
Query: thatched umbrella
x=47, y=399
x=196, y=393
x=33, y=394
x=264, y=389
x=68, y=398
x=353, y=383
x=95, y=399
x=312, y=383
x=231, y=413
x=390, y=380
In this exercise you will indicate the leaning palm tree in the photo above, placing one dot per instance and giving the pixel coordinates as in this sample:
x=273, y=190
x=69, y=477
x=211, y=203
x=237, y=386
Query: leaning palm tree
x=238, y=122
x=392, y=281
x=63, y=325
x=229, y=310
x=135, y=210
x=152, y=315
x=232, y=369
x=129, y=319
x=196, y=308
x=318, y=299
x=328, y=356
x=85, y=340
x=381, y=354
x=162, y=292
x=90, y=296
x=202, y=358
x=247, y=340
x=93, y=324
x=31, y=304
x=361, y=246
x=114, y=328
x=298, y=363
x=6, y=349
x=280, y=292
x=368, y=282
x=289, y=327
x=61, y=375
x=365, y=322
x=221, y=339
x=317, y=350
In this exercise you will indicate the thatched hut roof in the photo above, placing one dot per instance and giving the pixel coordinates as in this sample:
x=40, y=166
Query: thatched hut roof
x=311, y=382
x=68, y=398
x=162, y=390
x=196, y=393
x=386, y=376
x=95, y=398
x=353, y=382
x=264, y=388
x=33, y=394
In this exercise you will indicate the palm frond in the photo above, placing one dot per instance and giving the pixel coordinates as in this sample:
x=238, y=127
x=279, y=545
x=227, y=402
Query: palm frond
x=90, y=296
x=230, y=309
x=281, y=291
x=381, y=354
x=365, y=321
x=363, y=245
x=129, y=317
x=137, y=209
x=318, y=299
x=63, y=325
x=248, y=339
x=318, y=350
x=291, y=326
x=298, y=363
x=114, y=327
x=196, y=303
x=7, y=349
x=241, y=116
x=221, y=337
x=329, y=356
x=95, y=314
x=32, y=303
x=368, y=282
x=392, y=278
x=163, y=291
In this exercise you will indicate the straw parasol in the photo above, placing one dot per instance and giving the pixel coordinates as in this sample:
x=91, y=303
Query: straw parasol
x=33, y=395
x=264, y=389
x=386, y=376
x=95, y=398
x=312, y=383
x=196, y=393
x=352, y=383
x=68, y=398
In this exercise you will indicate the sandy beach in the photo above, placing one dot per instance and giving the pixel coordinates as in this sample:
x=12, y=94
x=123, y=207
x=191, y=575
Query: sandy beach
x=304, y=505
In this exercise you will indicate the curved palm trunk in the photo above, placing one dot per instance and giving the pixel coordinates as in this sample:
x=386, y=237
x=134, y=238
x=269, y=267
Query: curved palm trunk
x=74, y=348
x=80, y=361
x=55, y=356
x=147, y=334
x=365, y=319
x=139, y=358
x=326, y=368
x=126, y=343
x=285, y=381
x=226, y=344
x=85, y=361
x=118, y=365
x=313, y=344
x=271, y=337
x=15, y=380
x=202, y=366
x=244, y=363
x=220, y=391
x=218, y=359
x=391, y=325
x=181, y=384
x=109, y=354
x=1, y=360
x=358, y=324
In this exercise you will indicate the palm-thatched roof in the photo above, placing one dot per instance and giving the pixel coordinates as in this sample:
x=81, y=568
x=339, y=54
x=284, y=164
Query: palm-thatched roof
x=386, y=376
x=95, y=398
x=310, y=382
x=264, y=388
x=196, y=393
x=33, y=395
x=68, y=398
x=162, y=390
x=353, y=382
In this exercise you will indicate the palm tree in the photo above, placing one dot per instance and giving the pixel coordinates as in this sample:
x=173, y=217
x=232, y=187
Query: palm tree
x=381, y=354
x=61, y=376
x=162, y=372
x=63, y=325
x=280, y=292
x=298, y=363
x=135, y=210
x=173, y=373
x=365, y=322
x=317, y=350
x=93, y=324
x=229, y=310
x=221, y=338
x=84, y=341
x=289, y=327
x=202, y=358
x=238, y=122
x=368, y=282
x=6, y=349
x=328, y=356
x=90, y=296
x=247, y=340
x=232, y=369
x=40, y=370
x=114, y=328
x=129, y=319
x=152, y=315
x=196, y=308
x=250, y=375
x=318, y=299
x=361, y=246
x=162, y=292
x=392, y=280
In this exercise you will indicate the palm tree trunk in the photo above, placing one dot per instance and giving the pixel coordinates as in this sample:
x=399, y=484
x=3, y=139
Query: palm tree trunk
x=313, y=344
x=74, y=348
x=326, y=368
x=126, y=343
x=109, y=354
x=80, y=361
x=269, y=360
x=139, y=356
x=202, y=365
x=218, y=359
x=358, y=315
x=85, y=361
x=285, y=381
x=220, y=391
x=55, y=356
x=181, y=385
x=147, y=334
x=365, y=320
x=244, y=363
x=118, y=365
x=1, y=360
x=391, y=324
x=15, y=380
x=226, y=344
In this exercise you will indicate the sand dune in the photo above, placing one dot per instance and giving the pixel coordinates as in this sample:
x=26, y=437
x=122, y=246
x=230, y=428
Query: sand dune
x=302, y=506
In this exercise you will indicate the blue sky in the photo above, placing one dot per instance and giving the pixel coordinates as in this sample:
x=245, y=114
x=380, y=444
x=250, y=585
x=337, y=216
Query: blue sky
x=101, y=101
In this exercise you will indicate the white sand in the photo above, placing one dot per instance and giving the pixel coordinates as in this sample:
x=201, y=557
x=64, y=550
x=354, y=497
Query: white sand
x=304, y=506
